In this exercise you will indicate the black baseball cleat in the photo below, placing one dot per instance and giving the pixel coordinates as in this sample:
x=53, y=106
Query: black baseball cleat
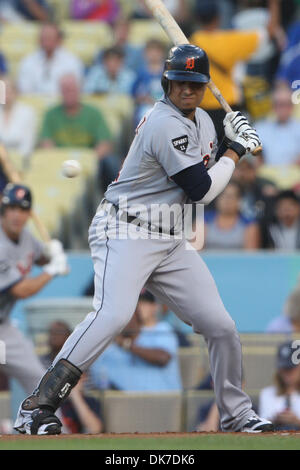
x=37, y=422
x=255, y=424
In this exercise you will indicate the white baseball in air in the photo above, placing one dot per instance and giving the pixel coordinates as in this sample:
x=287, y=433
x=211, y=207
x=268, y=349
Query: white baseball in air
x=71, y=168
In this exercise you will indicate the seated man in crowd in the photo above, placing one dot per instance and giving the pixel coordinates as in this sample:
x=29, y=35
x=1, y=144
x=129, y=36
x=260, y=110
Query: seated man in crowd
x=80, y=413
x=280, y=136
x=41, y=71
x=75, y=124
x=283, y=232
x=143, y=357
x=111, y=76
x=16, y=116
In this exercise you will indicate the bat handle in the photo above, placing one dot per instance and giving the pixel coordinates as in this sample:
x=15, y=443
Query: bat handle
x=216, y=92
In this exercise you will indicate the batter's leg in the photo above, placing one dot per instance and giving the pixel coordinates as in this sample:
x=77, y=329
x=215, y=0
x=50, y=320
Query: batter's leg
x=21, y=361
x=184, y=282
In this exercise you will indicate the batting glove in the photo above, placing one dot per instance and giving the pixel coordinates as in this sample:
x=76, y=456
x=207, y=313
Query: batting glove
x=246, y=141
x=58, y=265
x=234, y=124
x=53, y=248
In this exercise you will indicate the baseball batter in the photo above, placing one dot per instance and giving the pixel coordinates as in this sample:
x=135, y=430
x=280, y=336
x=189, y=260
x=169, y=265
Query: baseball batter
x=134, y=245
x=19, y=250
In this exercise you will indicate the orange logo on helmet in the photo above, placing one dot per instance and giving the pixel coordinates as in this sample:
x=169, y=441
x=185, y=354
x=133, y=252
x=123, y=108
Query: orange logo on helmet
x=190, y=63
x=20, y=193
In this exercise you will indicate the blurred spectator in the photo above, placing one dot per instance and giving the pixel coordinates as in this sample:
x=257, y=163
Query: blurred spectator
x=32, y=10
x=258, y=194
x=111, y=76
x=3, y=64
x=225, y=50
x=289, y=321
x=289, y=67
x=133, y=54
x=75, y=124
x=281, y=401
x=283, y=233
x=99, y=10
x=292, y=310
x=226, y=228
x=143, y=357
x=3, y=180
x=147, y=88
x=41, y=71
x=80, y=413
x=18, y=10
x=18, y=124
x=280, y=136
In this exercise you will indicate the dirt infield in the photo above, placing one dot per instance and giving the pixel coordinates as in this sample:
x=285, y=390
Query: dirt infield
x=20, y=437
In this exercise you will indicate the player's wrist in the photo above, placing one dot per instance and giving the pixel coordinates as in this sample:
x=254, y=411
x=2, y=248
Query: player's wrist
x=230, y=153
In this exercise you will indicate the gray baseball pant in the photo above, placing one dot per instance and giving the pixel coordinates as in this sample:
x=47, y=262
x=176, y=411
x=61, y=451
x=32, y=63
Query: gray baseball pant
x=179, y=278
x=21, y=361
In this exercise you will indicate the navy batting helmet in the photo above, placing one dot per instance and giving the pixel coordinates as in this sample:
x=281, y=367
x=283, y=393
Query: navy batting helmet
x=16, y=195
x=187, y=63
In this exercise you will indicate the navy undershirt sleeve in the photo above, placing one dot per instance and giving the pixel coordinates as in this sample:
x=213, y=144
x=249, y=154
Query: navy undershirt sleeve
x=194, y=180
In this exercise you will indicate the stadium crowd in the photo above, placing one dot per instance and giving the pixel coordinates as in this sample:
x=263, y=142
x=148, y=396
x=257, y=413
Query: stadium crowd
x=52, y=101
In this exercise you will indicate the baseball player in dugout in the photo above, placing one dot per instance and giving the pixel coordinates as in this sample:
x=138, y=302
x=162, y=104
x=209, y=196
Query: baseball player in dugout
x=19, y=250
x=173, y=161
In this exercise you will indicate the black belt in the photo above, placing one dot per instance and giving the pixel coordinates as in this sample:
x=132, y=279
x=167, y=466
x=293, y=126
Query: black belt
x=125, y=217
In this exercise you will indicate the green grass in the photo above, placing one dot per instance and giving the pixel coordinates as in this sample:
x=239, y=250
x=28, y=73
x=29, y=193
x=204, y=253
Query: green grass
x=199, y=442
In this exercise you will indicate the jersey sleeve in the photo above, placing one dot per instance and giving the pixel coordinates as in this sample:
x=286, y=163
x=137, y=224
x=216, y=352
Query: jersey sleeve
x=173, y=146
x=9, y=274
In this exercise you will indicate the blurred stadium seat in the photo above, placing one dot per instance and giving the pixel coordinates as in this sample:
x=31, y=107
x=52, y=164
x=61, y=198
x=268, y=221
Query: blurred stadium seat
x=142, y=412
x=86, y=38
x=191, y=370
x=284, y=176
x=143, y=30
x=259, y=365
x=40, y=313
x=55, y=195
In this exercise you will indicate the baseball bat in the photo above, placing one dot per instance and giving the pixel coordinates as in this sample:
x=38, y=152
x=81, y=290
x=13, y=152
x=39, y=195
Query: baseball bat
x=13, y=176
x=172, y=29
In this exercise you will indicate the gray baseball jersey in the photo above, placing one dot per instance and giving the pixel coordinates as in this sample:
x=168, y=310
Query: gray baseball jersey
x=16, y=260
x=166, y=143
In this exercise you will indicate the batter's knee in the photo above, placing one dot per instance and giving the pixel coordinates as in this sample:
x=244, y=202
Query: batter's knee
x=215, y=326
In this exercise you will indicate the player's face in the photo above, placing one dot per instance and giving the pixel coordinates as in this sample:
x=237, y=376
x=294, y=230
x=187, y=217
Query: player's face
x=14, y=220
x=187, y=95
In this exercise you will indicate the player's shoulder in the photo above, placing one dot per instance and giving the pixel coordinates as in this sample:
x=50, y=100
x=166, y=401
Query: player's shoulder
x=204, y=116
x=268, y=392
x=163, y=118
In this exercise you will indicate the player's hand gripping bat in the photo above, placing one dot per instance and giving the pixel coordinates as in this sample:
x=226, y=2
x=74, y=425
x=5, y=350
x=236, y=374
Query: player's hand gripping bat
x=169, y=25
x=14, y=177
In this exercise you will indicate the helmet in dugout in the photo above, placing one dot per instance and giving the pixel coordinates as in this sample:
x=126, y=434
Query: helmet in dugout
x=187, y=63
x=16, y=195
